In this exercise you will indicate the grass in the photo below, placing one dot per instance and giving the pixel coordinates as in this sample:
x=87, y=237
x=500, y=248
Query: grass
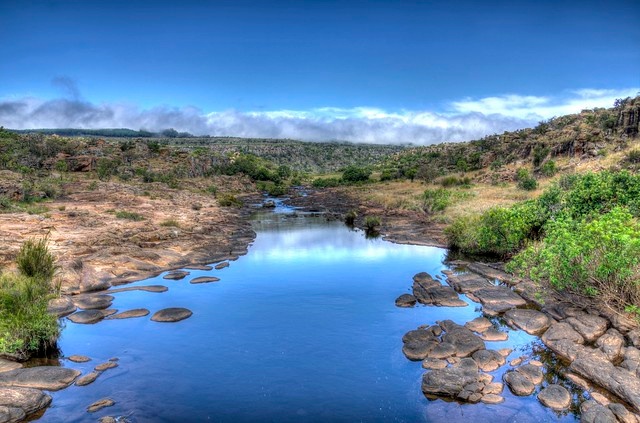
x=123, y=214
x=170, y=223
x=34, y=259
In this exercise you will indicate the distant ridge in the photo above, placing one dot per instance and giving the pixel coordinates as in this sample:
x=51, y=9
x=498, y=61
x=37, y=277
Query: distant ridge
x=106, y=132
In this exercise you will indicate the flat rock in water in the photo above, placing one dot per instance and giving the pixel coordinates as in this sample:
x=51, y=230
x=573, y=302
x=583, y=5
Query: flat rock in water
x=100, y=404
x=11, y=414
x=498, y=297
x=612, y=344
x=590, y=326
x=128, y=314
x=93, y=302
x=7, y=365
x=86, y=316
x=222, y=265
x=443, y=296
x=50, y=378
x=199, y=267
x=418, y=344
x=465, y=341
x=450, y=381
x=518, y=384
x=204, y=279
x=531, y=372
x=177, y=275
x=592, y=412
x=494, y=335
x=146, y=288
x=173, y=314
x=105, y=366
x=87, y=379
x=26, y=399
x=433, y=364
x=488, y=360
x=443, y=350
x=479, y=324
x=555, y=397
x=492, y=399
x=468, y=283
x=79, y=358
x=421, y=283
x=562, y=339
x=623, y=415
x=531, y=321
x=406, y=300
x=61, y=307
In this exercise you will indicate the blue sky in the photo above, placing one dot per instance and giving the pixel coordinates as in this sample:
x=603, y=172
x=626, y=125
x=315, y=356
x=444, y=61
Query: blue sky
x=379, y=71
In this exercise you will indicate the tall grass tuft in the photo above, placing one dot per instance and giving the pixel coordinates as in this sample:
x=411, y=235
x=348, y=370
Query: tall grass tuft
x=35, y=260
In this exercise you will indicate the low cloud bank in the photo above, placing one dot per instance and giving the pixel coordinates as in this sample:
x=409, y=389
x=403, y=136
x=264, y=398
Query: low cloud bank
x=461, y=120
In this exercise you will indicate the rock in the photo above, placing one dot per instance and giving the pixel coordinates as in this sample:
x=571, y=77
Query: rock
x=475, y=397
x=108, y=419
x=79, y=358
x=555, y=397
x=11, y=414
x=422, y=282
x=578, y=381
x=86, y=316
x=595, y=367
x=87, y=379
x=451, y=380
x=176, y=275
x=493, y=388
x=8, y=365
x=146, y=288
x=418, y=344
x=488, y=360
x=631, y=360
x=590, y=326
x=269, y=204
x=592, y=412
x=109, y=312
x=105, y=366
x=531, y=372
x=634, y=337
x=505, y=352
x=222, y=265
x=496, y=309
x=468, y=283
x=199, y=267
x=486, y=378
x=433, y=363
x=204, y=279
x=516, y=361
x=562, y=339
x=27, y=400
x=535, y=363
x=443, y=296
x=498, y=297
x=406, y=300
x=136, y=312
x=100, y=404
x=43, y=377
x=492, y=399
x=531, y=321
x=61, y=307
x=611, y=344
x=443, y=350
x=518, y=383
x=174, y=314
x=599, y=398
x=479, y=324
x=494, y=335
x=561, y=311
x=93, y=302
x=622, y=414
x=465, y=341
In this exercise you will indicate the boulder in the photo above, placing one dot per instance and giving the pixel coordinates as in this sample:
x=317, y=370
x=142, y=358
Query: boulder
x=592, y=412
x=498, y=297
x=562, y=339
x=50, y=378
x=86, y=316
x=87, y=379
x=443, y=350
x=421, y=283
x=204, y=279
x=222, y=265
x=493, y=335
x=93, y=302
x=468, y=283
x=7, y=365
x=176, y=275
x=531, y=372
x=11, y=414
x=555, y=397
x=612, y=344
x=465, y=341
x=439, y=295
x=136, y=312
x=518, y=383
x=100, y=404
x=61, y=307
x=173, y=314
x=27, y=400
x=622, y=414
x=479, y=324
x=590, y=326
x=531, y=321
x=488, y=360
x=493, y=388
x=450, y=381
x=433, y=363
x=406, y=300
x=79, y=358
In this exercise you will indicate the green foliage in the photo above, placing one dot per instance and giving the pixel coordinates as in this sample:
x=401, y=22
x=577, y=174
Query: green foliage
x=600, y=192
x=123, y=214
x=170, y=223
x=590, y=256
x=325, y=182
x=228, y=200
x=435, y=200
x=525, y=180
x=371, y=224
x=451, y=181
x=106, y=167
x=548, y=168
x=35, y=260
x=350, y=217
x=539, y=154
x=272, y=188
x=353, y=174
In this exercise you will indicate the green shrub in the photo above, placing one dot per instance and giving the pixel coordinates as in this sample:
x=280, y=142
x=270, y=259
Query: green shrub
x=600, y=192
x=633, y=156
x=350, y=217
x=371, y=223
x=539, y=154
x=451, y=181
x=548, y=168
x=435, y=200
x=325, y=182
x=229, y=200
x=591, y=256
x=525, y=180
x=355, y=174
x=123, y=214
x=35, y=260
x=171, y=223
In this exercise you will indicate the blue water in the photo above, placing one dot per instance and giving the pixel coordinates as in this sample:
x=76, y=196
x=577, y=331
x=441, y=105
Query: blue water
x=303, y=328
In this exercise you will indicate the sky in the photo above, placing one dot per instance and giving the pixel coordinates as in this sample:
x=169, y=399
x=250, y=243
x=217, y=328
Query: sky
x=417, y=72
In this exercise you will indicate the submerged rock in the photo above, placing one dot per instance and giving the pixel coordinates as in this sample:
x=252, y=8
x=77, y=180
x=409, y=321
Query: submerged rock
x=87, y=379
x=50, y=378
x=406, y=300
x=531, y=321
x=100, y=404
x=555, y=397
x=173, y=314
x=136, y=312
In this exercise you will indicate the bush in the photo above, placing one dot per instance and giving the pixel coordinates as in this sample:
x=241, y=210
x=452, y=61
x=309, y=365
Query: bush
x=123, y=214
x=451, y=181
x=171, y=223
x=325, y=182
x=435, y=200
x=525, y=180
x=229, y=200
x=594, y=257
x=371, y=224
x=35, y=260
x=350, y=217
x=596, y=193
x=355, y=174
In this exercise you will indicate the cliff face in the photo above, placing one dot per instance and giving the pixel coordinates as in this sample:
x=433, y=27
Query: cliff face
x=629, y=117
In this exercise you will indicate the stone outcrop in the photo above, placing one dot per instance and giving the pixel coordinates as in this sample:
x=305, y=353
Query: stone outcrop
x=50, y=378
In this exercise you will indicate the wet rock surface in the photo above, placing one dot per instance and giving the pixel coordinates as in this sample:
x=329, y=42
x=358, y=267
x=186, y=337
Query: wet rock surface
x=50, y=378
x=204, y=279
x=100, y=404
x=451, y=380
x=406, y=300
x=531, y=321
x=173, y=314
x=176, y=275
x=62, y=306
x=87, y=379
x=87, y=317
x=106, y=366
x=93, y=302
x=129, y=314
x=79, y=358
x=518, y=383
x=20, y=402
x=555, y=397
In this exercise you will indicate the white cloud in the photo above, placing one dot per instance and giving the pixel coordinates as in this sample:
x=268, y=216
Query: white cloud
x=463, y=120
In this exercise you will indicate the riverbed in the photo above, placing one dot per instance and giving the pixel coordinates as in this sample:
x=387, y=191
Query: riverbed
x=302, y=328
